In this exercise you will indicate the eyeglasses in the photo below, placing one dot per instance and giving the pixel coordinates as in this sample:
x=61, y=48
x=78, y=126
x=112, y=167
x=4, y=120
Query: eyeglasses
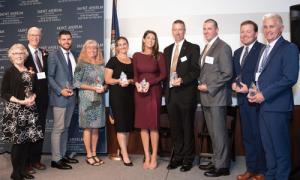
x=18, y=53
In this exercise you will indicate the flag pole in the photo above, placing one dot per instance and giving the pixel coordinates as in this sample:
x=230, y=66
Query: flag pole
x=114, y=35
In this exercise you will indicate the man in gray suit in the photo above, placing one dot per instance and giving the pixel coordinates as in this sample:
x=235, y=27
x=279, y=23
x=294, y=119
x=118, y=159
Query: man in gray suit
x=61, y=67
x=215, y=94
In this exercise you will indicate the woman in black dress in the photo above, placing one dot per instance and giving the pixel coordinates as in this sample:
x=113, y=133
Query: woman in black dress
x=19, y=117
x=119, y=76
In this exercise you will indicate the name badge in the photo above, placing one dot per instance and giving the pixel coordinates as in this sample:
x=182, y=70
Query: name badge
x=183, y=59
x=209, y=60
x=41, y=75
x=257, y=76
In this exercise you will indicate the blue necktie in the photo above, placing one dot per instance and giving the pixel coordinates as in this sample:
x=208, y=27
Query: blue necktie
x=264, y=59
x=70, y=67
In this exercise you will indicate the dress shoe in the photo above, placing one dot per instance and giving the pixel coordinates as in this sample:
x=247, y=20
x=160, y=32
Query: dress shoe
x=39, y=166
x=174, y=165
x=258, y=177
x=16, y=177
x=247, y=175
x=30, y=170
x=69, y=160
x=207, y=167
x=128, y=164
x=217, y=172
x=28, y=176
x=60, y=165
x=186, y=167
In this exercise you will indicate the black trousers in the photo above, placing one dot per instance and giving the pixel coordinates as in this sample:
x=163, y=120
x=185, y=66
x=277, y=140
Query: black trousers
x=181, y=116
x=36, y=148
x=19, y=154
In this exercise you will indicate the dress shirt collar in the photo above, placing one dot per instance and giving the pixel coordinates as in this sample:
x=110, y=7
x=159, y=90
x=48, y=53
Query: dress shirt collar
x=32, y=49
x=212, y=41
x=249, y=46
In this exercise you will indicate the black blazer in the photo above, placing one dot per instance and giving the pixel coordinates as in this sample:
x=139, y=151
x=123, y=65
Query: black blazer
x=187, y=69
x=41, y=85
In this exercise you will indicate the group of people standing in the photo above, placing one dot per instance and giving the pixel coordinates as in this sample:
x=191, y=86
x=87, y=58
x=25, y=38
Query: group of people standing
x=261, y=75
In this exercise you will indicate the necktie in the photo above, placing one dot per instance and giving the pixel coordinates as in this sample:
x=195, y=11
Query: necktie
x=244, y=56
x=70, y=67
x=206, y=48
x=264, y=59
x=37, y=61
x=175, y=59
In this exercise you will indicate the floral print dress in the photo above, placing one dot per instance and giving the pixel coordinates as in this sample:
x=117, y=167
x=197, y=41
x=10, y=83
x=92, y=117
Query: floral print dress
x=18, y=123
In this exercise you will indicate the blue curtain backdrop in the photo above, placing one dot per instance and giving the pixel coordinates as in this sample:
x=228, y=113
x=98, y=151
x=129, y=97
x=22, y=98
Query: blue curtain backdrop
x=85, y=20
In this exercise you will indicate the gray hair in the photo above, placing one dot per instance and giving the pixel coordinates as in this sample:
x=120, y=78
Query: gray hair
x=273, y=15
x=18, y=46
x=34, y=28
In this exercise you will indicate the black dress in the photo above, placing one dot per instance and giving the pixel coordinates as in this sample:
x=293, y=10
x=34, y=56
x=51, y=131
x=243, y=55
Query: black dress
x=121, y=99
x=18, y=122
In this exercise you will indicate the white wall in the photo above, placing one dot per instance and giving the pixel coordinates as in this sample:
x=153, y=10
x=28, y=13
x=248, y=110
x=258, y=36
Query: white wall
x=137, y=16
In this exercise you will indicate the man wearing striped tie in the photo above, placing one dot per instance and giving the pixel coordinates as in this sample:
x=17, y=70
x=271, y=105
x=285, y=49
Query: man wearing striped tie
x=276, y=73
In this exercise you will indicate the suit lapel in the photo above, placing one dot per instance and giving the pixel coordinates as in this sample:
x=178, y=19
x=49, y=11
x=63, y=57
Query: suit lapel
x=239, y=53
x=182, y=52
x=273, y=51
x=251, y=52
x=31, y=61
x=169, y=57
x=259, y=57
x=62, y=58
x=210, y=51
x=213, y=46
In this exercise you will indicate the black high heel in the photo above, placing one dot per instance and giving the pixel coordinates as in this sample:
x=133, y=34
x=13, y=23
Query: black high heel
x=126, y=164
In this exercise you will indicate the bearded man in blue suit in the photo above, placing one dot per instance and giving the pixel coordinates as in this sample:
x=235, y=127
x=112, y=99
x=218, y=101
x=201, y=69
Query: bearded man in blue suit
x=244, y=62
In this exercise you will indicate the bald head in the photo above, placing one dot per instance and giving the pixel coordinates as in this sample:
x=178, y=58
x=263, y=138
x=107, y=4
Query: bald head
x=34, y=35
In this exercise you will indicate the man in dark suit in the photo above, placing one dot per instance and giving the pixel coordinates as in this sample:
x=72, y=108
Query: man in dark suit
x=180, y=94
x=37, y=61
x=215, y=96
x=244, y=62
x=61, y=67
x=276, y=73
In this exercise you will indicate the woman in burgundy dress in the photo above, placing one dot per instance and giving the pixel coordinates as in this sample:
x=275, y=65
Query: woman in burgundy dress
x=149, y=71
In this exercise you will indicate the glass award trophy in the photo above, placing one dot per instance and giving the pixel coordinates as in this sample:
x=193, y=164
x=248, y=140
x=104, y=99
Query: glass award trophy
x=143, y=84
x=173, y=76
x=28, y=92
x=238, y=81
x=123, y=78
x=252, y=89
x=98, y=82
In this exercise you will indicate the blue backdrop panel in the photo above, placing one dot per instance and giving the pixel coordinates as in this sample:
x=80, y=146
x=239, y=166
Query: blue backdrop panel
x=84, y=19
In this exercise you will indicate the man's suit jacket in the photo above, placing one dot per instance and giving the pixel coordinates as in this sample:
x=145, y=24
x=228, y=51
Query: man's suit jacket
x=278, y=76
x=247, y=71
x=58, y=76
x=217, y=75
x=41, y=85
x=187, y=69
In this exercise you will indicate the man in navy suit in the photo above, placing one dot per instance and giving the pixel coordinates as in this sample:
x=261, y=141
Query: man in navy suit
x=276, y=73
x=61, y=67
x=244, y=62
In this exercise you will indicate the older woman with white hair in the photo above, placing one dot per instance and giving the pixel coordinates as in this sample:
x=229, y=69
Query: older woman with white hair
x=19, y=117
